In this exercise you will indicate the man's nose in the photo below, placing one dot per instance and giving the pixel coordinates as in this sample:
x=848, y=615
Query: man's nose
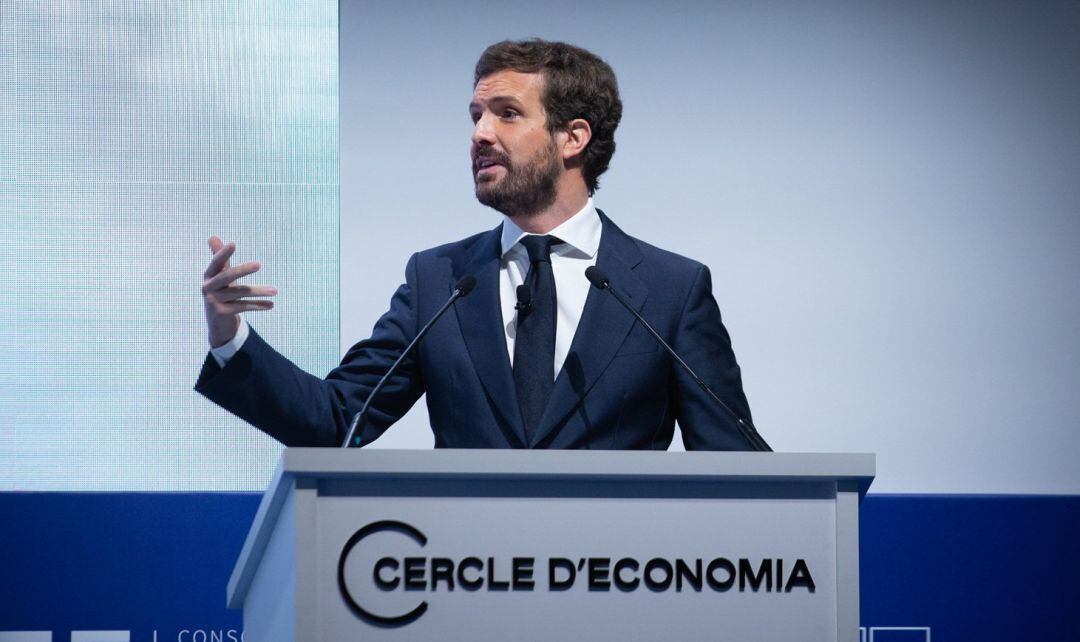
x=483, y=133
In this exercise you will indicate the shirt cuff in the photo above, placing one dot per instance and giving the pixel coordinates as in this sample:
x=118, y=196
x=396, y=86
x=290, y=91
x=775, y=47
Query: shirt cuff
x=223, y=353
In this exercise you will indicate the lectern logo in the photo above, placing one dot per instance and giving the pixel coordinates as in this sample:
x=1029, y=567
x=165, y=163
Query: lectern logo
x=411, y=574
x=361, y=612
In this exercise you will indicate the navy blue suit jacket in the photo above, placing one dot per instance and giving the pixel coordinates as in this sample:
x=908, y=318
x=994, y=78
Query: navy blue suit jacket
x=617, y=388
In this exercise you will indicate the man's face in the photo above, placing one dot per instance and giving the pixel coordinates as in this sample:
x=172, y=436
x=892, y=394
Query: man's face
x=515, y=159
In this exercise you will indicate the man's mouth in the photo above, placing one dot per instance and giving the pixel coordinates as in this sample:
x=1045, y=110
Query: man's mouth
x=486, y=159
x=484, y=166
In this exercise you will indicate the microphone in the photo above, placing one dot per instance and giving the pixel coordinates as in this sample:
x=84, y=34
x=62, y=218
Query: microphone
x=600, y=281
x=463, y=287
x=524, y=298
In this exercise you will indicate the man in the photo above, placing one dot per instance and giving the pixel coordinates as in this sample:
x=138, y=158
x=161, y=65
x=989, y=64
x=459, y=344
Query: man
x=533, y=357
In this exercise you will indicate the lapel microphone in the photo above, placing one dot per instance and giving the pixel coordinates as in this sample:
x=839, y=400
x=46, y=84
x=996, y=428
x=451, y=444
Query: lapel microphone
x=600, y=281
x=463, y=287
x=524, y=299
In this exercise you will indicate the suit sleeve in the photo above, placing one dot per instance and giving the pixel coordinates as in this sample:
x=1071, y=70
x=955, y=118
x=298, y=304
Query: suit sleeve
x=264, y=388
x=704, y=344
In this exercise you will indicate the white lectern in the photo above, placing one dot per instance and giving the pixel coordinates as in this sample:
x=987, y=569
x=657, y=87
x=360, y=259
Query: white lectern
x=554, y=545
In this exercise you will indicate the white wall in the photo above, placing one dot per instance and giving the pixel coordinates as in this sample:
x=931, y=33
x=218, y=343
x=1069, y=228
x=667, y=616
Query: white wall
x=886, y=193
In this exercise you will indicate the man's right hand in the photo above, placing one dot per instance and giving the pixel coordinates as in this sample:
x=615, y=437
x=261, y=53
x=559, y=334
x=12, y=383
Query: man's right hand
x=224, y=300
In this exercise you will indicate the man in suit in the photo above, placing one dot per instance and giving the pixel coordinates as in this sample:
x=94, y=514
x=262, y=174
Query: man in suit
x=533, y=357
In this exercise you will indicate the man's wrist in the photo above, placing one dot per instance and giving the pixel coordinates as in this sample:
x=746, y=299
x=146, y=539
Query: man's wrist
x=224, y=352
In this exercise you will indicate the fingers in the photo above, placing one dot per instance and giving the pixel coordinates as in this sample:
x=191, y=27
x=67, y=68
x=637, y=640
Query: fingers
x=234, y=292
x=220, y=260
x=225, y=277
x=224, y=298
x=246, y=305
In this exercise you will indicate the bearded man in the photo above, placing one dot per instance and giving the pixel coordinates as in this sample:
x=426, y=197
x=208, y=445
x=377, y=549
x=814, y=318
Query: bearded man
x=533, y=357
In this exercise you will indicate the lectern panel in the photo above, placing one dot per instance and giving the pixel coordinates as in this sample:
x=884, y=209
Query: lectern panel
x=534, y=568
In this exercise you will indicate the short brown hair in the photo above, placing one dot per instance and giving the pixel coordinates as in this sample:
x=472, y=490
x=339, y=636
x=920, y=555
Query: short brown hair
x=577, y=84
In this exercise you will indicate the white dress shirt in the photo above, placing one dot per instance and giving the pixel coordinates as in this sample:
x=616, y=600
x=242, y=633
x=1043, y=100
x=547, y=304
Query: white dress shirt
x=580, y=236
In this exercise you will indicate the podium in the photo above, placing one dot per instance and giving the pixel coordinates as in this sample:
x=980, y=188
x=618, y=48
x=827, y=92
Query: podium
x=554, y=545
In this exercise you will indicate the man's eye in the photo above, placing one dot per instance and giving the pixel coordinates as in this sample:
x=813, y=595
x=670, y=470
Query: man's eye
x=510, y=113
x=475, y=117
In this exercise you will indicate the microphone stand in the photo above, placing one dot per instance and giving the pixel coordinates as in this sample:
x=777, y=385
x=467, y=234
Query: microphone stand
x=463, y=287
x=747, y=429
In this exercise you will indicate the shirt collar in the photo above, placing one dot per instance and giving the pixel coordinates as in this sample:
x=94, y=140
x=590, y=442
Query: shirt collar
x=581, y=232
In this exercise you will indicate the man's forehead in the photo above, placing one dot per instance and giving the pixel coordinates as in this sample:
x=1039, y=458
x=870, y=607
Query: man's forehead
x=508, y=83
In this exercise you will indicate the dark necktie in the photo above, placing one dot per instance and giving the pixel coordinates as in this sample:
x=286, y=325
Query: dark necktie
x=534, y=342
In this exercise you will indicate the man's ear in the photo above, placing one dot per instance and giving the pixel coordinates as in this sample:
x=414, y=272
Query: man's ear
x=577, y=135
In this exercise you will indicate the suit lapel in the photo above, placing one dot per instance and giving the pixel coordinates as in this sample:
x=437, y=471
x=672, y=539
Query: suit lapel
x=480, y=318
x=603, y=327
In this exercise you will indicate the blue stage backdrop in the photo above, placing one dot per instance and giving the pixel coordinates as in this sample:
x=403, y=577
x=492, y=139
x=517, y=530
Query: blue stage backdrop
x=154, y=566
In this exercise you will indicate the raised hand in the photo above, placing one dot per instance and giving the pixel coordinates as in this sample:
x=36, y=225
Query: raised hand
x=223, y=299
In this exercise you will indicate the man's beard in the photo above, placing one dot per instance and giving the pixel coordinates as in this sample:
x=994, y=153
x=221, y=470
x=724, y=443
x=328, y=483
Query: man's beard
x=526, y=189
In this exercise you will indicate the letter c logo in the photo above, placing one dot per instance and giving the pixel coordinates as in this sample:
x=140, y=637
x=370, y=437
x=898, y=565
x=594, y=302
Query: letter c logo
x=359, y=611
